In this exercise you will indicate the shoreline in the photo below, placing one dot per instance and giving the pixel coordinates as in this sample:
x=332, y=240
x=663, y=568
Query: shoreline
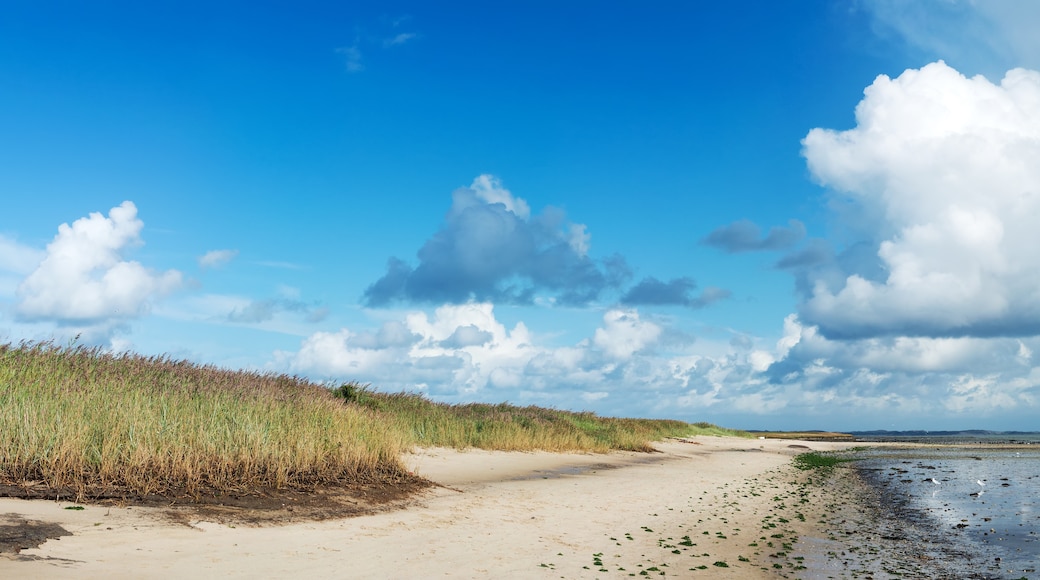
x=711, y=507
x=863, y=532
x=884, y=518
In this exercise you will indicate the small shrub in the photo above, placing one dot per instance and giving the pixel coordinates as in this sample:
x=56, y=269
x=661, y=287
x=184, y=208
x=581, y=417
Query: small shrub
x=351, y=392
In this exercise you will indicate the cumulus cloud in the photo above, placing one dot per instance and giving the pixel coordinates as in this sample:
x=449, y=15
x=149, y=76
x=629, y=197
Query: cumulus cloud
x=84, y=277
x=745, y=236
x=461, y=349
x=623, y=333
x=217, y=258
x=945, y=170
x=491, y=248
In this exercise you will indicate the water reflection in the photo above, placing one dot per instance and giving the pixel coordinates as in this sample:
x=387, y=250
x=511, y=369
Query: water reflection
x=987, y=498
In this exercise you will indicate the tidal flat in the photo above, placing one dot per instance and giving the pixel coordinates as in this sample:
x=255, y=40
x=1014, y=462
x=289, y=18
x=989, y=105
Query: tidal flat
x=966, y=511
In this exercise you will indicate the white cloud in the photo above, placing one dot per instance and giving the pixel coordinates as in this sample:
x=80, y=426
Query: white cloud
x=931, y=312
x=623, y=333
x=463, y=353
x=462, y=348
x=971, y=393
x=332, y=354
x=805, y=344
x=1025, y=354
x=489, y=189
x=84, y=278
x=960, y=378
x=217, y=258
x=946, y=165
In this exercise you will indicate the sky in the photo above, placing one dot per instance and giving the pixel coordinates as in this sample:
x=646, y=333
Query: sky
x=765, y=215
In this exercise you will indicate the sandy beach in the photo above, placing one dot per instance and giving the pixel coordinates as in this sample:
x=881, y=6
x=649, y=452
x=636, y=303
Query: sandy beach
x=709, y=507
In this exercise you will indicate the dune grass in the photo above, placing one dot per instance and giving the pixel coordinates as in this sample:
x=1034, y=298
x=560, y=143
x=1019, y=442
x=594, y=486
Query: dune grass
x=88, y=421
x=512, y=428
x=84, y=420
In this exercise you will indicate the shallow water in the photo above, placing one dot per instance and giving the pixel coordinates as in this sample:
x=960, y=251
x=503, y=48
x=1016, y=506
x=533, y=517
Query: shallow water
x=996, y=522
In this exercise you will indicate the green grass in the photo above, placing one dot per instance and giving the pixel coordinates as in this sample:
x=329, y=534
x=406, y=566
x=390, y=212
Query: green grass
x=84, y=420
x=815, y=460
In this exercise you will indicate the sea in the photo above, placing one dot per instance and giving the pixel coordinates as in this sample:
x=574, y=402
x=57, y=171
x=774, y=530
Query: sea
x=980, y=494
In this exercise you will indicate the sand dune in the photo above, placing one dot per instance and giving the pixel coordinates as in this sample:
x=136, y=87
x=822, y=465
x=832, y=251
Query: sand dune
x=686, y=511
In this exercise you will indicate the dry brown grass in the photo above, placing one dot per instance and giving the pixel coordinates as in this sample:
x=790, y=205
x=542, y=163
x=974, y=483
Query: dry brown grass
x=89, y=421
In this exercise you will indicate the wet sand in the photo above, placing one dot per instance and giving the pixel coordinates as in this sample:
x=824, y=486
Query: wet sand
x=709, y=507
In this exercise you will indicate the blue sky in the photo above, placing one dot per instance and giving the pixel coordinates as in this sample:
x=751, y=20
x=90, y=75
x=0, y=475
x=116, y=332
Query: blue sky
x=759, y=214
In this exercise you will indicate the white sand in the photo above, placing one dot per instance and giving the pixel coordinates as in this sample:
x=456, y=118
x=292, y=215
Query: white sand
x=500, y=515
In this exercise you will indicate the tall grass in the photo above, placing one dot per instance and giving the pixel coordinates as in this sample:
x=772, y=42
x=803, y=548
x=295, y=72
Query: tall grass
x=93, y=423
x=513, y=428
x=85, y=420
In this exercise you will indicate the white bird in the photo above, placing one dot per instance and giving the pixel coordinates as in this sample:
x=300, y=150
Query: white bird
x=979, y=481
x=936, y=482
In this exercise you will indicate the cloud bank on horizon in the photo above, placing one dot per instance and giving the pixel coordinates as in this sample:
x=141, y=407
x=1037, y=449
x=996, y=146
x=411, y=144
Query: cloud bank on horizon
x=921, y=299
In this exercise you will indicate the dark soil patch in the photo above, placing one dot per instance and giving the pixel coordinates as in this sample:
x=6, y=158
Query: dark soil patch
x=18, y=533
x=264, y=506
